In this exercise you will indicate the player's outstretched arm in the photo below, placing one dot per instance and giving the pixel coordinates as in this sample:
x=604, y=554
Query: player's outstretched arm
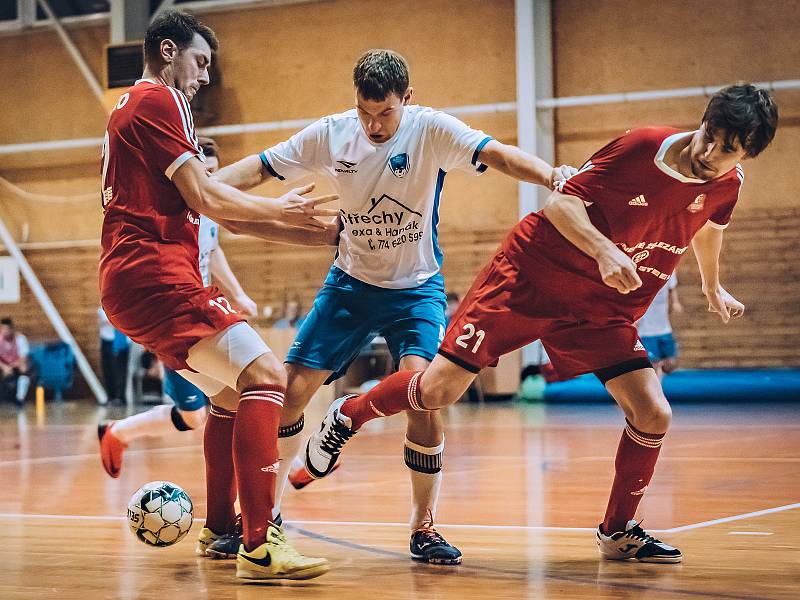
x=224, y=278
x=314, y=233
x=221, y=201
x=568, y=215
x=243, y=174
x=707, y=245
x=520, y=165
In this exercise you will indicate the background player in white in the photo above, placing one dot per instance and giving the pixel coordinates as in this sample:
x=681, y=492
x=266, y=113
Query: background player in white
x=388, y=160
x=655, y=329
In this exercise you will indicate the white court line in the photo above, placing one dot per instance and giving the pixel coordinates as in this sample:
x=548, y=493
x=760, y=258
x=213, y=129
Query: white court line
x=22, y=516
x=750, y=533
x=93, y=455
x=758, y=513
x=680, y=529
x=382, y=457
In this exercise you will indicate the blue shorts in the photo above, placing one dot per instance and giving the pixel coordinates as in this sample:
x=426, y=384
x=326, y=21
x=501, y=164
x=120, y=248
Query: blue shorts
x=660, y=347
x=185, y=395
x=348, y=313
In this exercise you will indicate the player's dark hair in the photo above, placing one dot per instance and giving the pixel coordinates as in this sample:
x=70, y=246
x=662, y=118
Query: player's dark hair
x=177, y=26
x=379, y=73
x=7, y=321
x=743, y=112
x=209, y=146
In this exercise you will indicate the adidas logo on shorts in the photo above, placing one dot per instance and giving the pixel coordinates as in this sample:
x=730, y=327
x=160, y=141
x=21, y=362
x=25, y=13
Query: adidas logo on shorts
x=638, y=201
x=638, y=346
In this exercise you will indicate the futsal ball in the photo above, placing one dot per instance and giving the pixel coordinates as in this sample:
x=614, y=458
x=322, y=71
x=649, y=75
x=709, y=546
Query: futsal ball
x=160, y=513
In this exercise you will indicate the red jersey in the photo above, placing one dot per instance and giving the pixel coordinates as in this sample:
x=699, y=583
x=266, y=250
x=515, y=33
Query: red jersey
x=149, y=233
x=647, y=209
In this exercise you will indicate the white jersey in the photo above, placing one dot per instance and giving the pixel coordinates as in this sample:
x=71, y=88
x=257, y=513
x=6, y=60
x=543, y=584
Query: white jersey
x=389, y=192
x=207, y=242
x=656, y=320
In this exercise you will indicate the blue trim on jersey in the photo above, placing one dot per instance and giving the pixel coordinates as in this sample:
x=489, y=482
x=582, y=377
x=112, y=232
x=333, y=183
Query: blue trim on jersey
x=268, y=167
x=437, y=251
x=477, y=152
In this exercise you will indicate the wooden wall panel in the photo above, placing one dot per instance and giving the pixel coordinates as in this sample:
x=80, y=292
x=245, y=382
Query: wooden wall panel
x=294, y=62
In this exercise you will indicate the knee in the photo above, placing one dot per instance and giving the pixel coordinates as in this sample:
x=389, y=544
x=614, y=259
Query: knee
x=436, y=395
x=654, y=416
x=266, y=369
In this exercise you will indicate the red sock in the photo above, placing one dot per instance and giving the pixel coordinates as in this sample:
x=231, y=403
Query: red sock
x=398, y=392
x=255, y=455
x=636, y=460
x=220, y=477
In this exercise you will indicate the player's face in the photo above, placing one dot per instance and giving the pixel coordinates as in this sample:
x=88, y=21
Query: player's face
x=711, y=156
x=190, y=66
x=380, y=120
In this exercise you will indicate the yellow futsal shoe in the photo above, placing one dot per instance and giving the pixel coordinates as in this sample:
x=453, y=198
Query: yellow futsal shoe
x=276, y=559
x=204, y=539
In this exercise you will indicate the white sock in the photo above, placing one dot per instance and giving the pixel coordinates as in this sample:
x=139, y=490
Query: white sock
x=155, y=422
x=425, y=466
x=288, y=448
x=23, y=383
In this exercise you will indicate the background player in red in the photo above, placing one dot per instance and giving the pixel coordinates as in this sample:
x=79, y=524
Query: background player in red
x=154, y=187
x=578, y=274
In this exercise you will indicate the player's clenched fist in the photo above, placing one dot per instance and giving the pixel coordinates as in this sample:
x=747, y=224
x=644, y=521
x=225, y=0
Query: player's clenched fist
x=618, y=270
x=722, y=303
x=297, y=208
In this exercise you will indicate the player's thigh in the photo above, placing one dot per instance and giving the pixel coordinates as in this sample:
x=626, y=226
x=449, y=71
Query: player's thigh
x=641, y=397
x=415, y=324
x=500, y=313
x=236, y=357
x=333, y=333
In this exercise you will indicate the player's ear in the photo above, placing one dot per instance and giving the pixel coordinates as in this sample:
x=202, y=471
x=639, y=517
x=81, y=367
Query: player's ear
x=407, y=95
x=168, y=50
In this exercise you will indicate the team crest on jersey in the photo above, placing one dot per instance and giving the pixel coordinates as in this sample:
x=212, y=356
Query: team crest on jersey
x=400, y=164
x=697, y=205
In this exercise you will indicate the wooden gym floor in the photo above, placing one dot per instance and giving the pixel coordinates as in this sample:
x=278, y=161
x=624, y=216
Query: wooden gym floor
x=524, y=489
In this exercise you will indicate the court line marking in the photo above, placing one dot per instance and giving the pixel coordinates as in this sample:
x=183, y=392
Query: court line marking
x=379, y=457
x=523, y=574
x=679, y=529
x=757, y=513
x=751, y=533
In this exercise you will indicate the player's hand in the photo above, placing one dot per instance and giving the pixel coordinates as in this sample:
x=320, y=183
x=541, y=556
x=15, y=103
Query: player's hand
x=722, y=303
x=332, y=232
x=618, y=270
x=297, y=210
x=561, y=173
x=245, y=305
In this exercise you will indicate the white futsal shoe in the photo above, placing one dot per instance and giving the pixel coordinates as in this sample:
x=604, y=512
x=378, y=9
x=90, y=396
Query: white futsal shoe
x=324, y=446
x=635, y=543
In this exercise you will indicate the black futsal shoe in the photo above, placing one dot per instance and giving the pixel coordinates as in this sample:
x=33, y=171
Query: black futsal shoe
x=428, y=545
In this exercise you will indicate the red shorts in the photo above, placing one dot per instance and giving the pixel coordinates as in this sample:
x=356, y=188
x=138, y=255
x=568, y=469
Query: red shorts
x=168, y=320
x=506, y=309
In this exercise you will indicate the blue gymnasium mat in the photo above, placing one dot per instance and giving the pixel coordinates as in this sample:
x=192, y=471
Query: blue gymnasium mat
x=707, y=385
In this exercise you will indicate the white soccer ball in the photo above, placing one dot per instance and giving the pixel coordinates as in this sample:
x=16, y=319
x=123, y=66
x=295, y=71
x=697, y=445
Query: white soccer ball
x=160, y=513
